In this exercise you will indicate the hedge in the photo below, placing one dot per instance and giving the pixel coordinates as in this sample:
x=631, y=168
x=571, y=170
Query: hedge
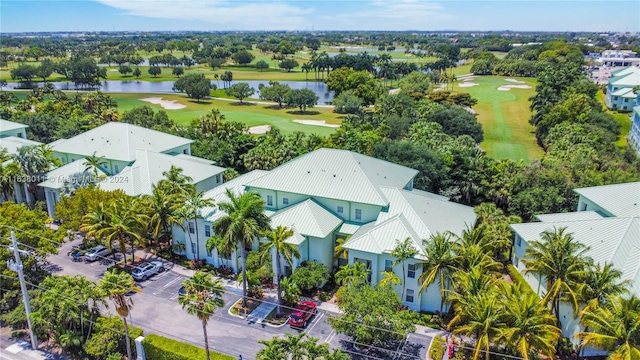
x=158, y=347
x=437, y=348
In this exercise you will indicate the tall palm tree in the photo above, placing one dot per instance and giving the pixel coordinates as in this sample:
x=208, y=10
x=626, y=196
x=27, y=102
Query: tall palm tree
x=354, y=274
x=561, y=261
x=193, y=203
x=441, y=263
x=614, y=327
x=202, y=296
x=529, y=325
x=35, y=162
x=8, y=174
x=115, y=286
x=223, y=248
x=175, y=179
x=403, y=251
x=244, y=221
x=339, y=251
x=121, y=222
x=162, y=207
x=277, y=241
x=94, y=162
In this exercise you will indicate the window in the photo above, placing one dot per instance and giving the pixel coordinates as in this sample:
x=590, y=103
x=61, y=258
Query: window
x=285, y=201
x=411, y=271
x=269, y=200
x=207, y=230
x=358, y=214
x=116, y=168
x=192, y=228
x=409, y=297
x=387, y=265
x=515, y=261
x=184, y=151
x=340, y=210
x=518, y=240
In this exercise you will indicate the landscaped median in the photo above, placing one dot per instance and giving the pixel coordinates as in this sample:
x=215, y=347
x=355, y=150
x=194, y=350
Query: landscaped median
x=157, y=347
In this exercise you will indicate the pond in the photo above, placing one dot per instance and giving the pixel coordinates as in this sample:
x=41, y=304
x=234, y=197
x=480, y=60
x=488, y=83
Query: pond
x=137, y=86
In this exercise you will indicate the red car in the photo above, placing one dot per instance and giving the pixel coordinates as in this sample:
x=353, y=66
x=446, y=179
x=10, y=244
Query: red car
x=301, y=315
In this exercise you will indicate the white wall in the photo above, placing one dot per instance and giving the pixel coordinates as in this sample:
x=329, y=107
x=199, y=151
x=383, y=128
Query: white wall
x=585, y=204
x=21, y=133
x=209, y=183
x=321, y=250
x=185, y=149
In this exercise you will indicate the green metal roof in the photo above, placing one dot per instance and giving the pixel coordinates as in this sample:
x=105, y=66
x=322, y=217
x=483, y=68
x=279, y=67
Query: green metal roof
x=219, y=193
x=631, y=79
x=624, y=71
x=381, y=238
x=118, y=141
x=570, y=216
x=307, y=218
x=57, y=178
x=139, y=178
x=337, y=174
x=13, y=143
x=610, y=240
x=349, y=228
x=622, y=200
x=6, y=125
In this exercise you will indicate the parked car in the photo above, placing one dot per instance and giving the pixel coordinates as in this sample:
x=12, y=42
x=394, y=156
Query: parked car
x=96, y=253
x=301, y=315
x=144, y=271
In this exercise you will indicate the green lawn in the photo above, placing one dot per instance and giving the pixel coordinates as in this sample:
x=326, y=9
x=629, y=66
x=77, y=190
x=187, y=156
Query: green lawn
x=624, y=119
x=252, y=115
x=504, y=116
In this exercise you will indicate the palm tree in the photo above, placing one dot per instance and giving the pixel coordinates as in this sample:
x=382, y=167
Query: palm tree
x=202, y=296
x=403, y=251
x=389, y=278
x=441, y=263
x=277, y=241
x=529, y=325
x=614, y=327
x=116, y=285
x=8, y=174
x=162, y=207
x=121, y=222
x=561, y=261
x=210, y=121
x=223, y=248
x=34, y=162
x=339, y=251
x=193, y=203
x=94, y=162
x=245, y=220
x=478, y=316
x=354, y=274
x=174, y=178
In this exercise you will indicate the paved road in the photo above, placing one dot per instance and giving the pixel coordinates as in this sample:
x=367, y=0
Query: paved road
x=21, y=350
x=156, y=310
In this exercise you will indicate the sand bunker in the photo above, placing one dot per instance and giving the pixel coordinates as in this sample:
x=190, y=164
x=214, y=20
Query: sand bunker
x=509, y=87
x=393, y=91
x=260, y=129
x=514, y=81
x=166, y=104
x=467, y=84
x=316, y=123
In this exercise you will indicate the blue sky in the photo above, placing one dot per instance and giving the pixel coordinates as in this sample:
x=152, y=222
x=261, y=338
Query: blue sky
x=149, y=15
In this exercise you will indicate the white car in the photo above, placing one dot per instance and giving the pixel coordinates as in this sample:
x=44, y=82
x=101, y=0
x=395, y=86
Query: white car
x=144, y=271
x=96, y=253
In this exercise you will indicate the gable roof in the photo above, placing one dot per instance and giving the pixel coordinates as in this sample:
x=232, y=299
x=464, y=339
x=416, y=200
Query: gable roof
x=625, y=71
x=569, y=216
x=139, y=177
x=626, y=92
x=118, y=141
x=337, y=174
x=630, y=79
x=57, y=178
x=381, y=238
x=622, y=200
x=610, y=240
x=13, y=143
x=307, y=218
x=427, y=213
x=6, y=125
x=219, y=193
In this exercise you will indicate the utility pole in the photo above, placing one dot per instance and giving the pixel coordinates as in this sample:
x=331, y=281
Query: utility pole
x=17, y=267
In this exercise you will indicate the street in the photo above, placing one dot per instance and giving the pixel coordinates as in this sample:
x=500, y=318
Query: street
x=156, y=310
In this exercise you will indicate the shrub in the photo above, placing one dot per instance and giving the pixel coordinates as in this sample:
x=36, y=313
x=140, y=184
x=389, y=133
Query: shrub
x=107, y=339
x=310, y=275
x=437, y=348
x=157, y=347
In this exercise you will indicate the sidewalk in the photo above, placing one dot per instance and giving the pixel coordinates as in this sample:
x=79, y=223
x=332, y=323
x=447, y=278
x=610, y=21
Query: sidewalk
x=21, y=350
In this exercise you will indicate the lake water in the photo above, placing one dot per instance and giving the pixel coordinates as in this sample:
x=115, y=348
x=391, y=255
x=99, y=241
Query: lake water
x=137, y=86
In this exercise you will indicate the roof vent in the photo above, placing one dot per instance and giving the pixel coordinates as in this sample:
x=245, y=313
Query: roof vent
x=308, y=171
x=334, y=175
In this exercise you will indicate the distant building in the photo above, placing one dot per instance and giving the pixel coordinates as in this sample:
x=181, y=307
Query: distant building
x=619, y=58
x=634, y=132
x=607, y=221
x=620, y=89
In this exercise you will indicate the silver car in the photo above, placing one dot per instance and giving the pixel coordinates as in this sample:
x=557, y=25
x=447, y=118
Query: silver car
x=144, y=271
x=96, y=253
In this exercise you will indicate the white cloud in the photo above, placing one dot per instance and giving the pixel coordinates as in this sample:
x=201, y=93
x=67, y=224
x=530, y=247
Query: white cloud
x=258, y=15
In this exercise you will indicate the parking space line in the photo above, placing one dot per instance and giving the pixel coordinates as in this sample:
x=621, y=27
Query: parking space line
x=316, y=320
x=332, y=334
x=168, y=284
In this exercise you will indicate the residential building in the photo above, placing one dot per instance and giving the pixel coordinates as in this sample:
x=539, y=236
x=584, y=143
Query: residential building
x=619, y=58
x=634, y=131
x=330, y=194
x=620, y=89
x=117, y=143
x=10, y=128
x=607, y=221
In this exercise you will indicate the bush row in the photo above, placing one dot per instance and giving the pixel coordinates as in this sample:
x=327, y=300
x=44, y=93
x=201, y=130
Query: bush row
x=158, y=347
